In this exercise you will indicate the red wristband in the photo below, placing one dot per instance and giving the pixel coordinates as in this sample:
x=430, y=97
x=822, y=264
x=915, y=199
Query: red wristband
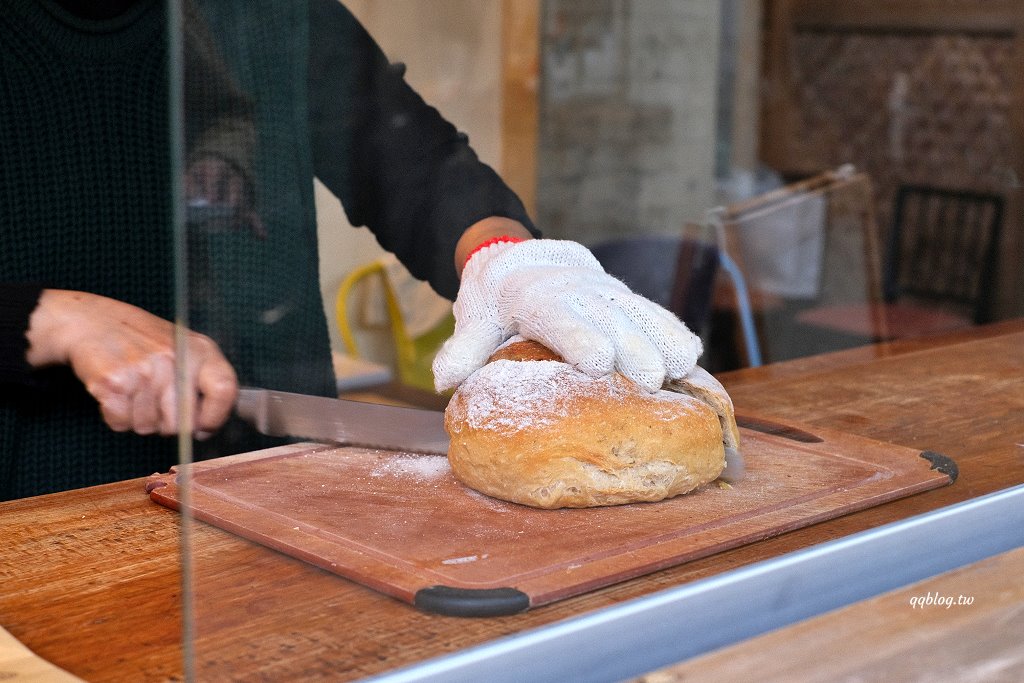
x=487, y=243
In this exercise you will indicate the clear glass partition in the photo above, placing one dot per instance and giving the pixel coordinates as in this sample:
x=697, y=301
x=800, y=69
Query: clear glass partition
x=295, y=127
x=196, y=194
x=727, y=160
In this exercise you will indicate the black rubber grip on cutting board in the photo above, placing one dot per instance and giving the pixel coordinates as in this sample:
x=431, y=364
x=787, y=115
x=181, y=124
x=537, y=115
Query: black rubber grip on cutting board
x=942, y=463
x=471, y=602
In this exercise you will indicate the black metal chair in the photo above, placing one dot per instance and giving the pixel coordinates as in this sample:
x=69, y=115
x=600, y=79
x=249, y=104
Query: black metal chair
x=674, y=271
x=944, y=249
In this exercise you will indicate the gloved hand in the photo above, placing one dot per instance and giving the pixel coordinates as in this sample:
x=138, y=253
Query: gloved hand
x=555, y=292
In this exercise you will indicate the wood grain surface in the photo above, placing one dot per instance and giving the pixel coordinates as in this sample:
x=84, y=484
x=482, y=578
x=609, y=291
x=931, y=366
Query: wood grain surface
x=92, y=578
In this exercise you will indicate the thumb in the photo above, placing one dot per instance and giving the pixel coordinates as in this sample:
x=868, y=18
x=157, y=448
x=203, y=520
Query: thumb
x=465, y=352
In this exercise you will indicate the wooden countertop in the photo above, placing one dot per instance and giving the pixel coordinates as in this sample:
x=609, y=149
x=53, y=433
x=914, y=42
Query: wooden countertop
x=92, y=578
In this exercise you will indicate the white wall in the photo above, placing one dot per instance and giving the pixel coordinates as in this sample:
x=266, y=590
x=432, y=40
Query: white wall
x=452, y=51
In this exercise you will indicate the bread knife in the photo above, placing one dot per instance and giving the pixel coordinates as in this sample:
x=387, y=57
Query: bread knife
x=343, y=422
x=371, y=425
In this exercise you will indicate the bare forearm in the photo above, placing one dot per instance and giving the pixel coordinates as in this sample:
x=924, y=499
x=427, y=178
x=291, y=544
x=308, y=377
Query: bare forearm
x=50, y=325
x=481, y=231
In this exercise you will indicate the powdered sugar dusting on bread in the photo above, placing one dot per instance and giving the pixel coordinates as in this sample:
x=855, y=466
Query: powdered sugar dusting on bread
x=510, y=395
x=513, y=395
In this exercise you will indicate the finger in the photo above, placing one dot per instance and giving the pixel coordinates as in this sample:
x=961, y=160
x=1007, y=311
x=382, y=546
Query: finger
x=114, y=393
x=186, y=402
x=678, y=347
x=234, y=188
x=207, y=178
x=465, y=352
x=193, y=183
x=167, y=397
x=169, y=413
x=557, y=322
x=250, y=220
x=145, y=410
x=199, y=182
x=116, y=411
x=635, y=356
x=550, y=305
x=216, y=392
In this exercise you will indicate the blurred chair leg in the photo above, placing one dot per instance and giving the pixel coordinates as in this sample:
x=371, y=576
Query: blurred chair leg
x=739, y=283
x=746, y=314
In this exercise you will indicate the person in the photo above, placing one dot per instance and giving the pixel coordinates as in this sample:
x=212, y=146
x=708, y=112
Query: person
x=275, y=94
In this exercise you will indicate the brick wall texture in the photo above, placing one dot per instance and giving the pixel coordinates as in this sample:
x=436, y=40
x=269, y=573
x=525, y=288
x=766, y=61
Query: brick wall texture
x=627, y=116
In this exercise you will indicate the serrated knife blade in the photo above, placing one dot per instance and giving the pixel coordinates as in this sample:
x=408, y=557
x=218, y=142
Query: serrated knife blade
x=340, y=421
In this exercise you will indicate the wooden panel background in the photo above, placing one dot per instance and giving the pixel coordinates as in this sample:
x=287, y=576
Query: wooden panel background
x=520, y=78
x=920, y=91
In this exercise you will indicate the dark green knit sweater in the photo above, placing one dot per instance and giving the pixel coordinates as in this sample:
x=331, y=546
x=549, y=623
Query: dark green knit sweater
x=86, y=198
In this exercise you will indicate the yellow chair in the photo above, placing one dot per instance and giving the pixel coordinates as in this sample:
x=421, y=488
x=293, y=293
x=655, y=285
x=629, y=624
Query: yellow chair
x=413, y=355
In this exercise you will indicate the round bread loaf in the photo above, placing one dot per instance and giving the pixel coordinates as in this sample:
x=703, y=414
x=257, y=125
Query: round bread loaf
x=531, y=429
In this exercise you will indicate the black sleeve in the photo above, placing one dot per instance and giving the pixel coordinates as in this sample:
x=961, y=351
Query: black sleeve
x=397, y=166
x=17, y=301
x=219, y=117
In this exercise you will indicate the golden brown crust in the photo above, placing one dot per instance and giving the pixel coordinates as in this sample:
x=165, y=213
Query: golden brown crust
x=531, y=429
x=703, y=386
x=524, y=350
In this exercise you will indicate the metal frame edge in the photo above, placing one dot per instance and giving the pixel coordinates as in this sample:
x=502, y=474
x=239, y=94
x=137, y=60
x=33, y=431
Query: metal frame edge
x=676, y=624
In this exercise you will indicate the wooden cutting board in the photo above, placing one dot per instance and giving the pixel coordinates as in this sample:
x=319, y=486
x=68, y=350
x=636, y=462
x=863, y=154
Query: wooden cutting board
x=402, y=524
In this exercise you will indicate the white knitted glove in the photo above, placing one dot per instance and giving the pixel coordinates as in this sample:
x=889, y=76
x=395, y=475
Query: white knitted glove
x=556, y=293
